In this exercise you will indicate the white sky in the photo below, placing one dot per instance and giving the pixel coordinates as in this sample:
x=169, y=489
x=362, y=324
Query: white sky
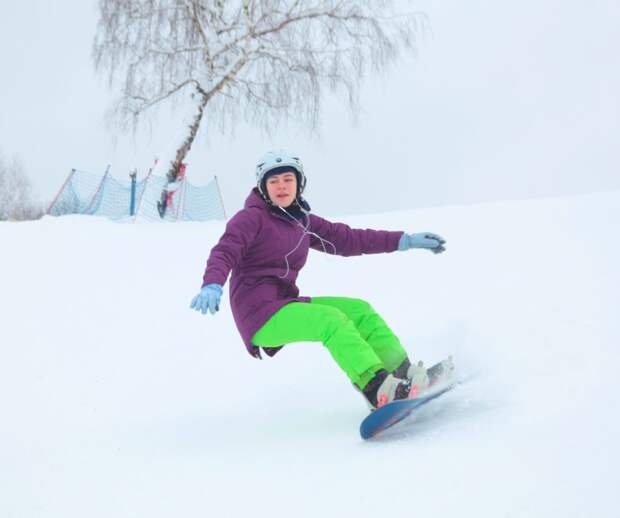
x=505, y=100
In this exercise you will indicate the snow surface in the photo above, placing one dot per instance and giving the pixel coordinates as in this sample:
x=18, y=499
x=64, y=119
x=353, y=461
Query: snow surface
x=118, y=401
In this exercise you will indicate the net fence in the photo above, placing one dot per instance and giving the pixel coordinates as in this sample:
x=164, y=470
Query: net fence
x=97, y=195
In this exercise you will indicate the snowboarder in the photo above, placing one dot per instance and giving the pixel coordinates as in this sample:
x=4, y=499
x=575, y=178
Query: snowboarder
x=266, y=244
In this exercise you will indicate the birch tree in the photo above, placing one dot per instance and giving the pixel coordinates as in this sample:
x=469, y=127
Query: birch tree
x=264, y=61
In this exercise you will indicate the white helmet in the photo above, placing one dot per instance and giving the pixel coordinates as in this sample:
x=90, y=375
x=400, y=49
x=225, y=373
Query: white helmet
x=276, y=159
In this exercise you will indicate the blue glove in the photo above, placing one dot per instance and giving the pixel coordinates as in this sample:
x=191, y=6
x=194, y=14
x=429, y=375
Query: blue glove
x=208, y=299
x=427, y=240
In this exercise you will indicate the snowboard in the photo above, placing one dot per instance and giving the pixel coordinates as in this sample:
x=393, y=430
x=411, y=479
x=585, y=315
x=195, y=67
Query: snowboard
x=392, y=413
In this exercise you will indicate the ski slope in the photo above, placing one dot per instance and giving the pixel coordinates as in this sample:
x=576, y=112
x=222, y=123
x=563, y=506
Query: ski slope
x=118, y=401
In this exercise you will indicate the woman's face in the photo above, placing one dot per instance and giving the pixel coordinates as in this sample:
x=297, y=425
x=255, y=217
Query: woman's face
x=282, y=189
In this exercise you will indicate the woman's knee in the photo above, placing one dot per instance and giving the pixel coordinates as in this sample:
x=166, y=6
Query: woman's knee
x=332, y=320
x=360, y=308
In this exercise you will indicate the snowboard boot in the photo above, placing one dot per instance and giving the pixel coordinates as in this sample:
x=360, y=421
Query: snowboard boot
x=425, y=378
x=415, y=374
x=384, y=388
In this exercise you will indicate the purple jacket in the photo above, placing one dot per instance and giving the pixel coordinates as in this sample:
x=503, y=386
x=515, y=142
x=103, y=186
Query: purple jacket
x=256, y=246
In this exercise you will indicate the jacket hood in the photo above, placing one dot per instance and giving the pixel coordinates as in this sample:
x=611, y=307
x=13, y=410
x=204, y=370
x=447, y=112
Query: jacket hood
x=255, y=200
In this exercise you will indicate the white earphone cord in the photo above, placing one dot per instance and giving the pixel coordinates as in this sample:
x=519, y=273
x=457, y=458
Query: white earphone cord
x=305, y=232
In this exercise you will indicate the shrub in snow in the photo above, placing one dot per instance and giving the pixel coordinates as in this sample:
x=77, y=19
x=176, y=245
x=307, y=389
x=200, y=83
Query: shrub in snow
x=16, y=194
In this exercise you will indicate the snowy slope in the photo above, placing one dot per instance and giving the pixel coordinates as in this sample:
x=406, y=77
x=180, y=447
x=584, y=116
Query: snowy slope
x=118, y=401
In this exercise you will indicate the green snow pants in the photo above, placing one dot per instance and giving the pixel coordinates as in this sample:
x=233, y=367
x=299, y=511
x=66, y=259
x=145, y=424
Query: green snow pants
x=355, y=335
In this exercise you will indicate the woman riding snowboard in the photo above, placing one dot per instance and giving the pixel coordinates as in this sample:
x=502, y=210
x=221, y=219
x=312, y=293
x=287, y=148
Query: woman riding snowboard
x=266, y=244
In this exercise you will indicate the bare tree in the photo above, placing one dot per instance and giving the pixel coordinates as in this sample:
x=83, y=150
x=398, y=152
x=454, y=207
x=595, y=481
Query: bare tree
x=263, y=60
x=15, y=193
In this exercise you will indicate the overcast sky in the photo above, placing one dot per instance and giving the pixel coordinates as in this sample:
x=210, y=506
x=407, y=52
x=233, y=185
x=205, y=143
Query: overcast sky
x=504, y=100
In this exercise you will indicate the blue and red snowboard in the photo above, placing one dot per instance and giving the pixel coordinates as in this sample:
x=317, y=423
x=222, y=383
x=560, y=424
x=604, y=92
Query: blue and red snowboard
x=392, y=413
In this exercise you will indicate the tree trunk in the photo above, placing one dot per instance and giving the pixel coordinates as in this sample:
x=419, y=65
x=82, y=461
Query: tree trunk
x=175, y=166
x=187, y=144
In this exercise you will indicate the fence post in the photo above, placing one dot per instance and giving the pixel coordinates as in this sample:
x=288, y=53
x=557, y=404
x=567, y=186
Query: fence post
x=49, y=209
x=101, y=184
x=144, y=187
x=132, y=201
x=219, y=191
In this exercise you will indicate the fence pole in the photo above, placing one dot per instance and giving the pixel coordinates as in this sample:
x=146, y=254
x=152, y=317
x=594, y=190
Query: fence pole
x=69, y=176
x=146, y=183
x=219, y=191
x=132, y=201
x=92, y=201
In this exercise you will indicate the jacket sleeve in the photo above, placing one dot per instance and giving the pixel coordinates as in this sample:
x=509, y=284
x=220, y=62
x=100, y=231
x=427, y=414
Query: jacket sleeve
x=241, y=230
x=340, y=239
